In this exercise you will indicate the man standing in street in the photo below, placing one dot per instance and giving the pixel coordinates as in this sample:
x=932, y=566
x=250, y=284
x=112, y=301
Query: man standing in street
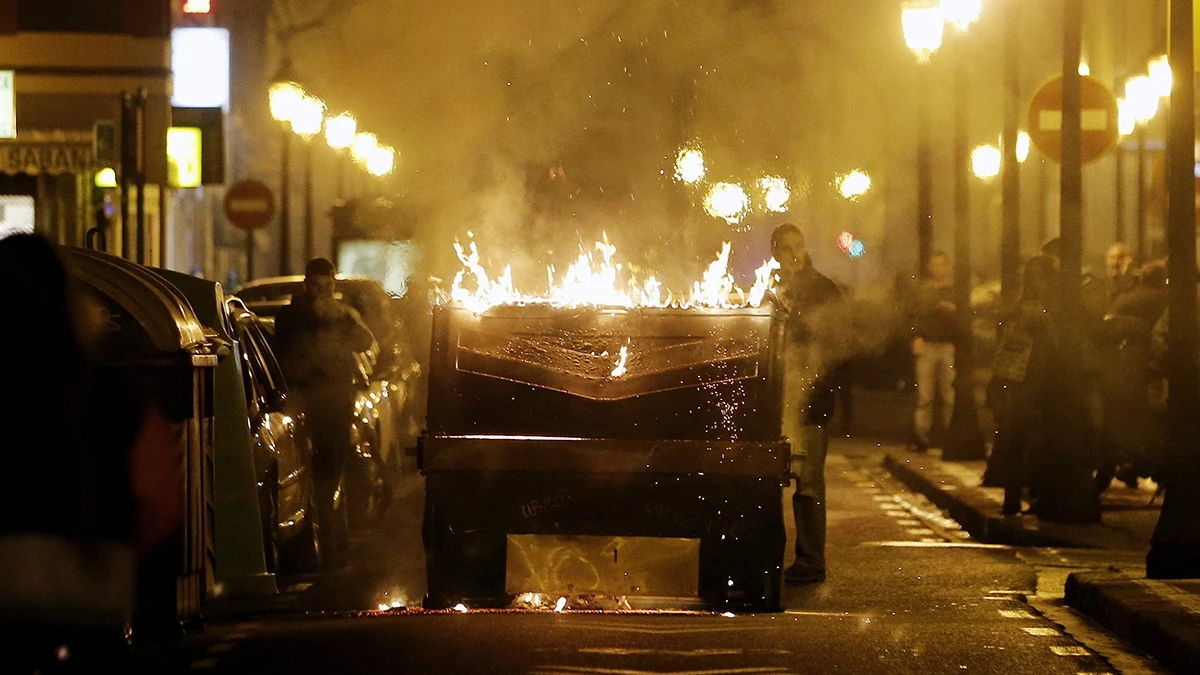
x=1121, y=280
x=800, y=290
x=933, y=348
x=319, y=337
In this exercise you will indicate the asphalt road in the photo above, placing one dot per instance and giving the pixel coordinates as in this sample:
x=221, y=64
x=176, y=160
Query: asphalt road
x=907, y=592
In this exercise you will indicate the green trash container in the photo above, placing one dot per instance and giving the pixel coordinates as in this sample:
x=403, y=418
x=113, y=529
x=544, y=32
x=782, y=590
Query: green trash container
x=156, y=339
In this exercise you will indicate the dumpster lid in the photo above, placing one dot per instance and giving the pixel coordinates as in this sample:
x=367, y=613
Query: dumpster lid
x=158, y=309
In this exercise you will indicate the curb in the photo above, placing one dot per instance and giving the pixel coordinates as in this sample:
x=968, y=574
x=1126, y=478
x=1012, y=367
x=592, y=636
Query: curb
x=970, y=507
x=1163, y=629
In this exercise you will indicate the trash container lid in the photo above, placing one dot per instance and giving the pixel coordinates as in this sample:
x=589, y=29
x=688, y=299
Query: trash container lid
x=158, y=308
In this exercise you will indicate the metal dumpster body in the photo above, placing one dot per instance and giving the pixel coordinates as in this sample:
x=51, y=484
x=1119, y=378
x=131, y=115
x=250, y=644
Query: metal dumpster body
x=158, y=342
x=634, y=453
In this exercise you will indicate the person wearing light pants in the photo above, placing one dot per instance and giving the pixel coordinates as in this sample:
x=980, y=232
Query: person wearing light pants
x=933, y=349
x=800, y=289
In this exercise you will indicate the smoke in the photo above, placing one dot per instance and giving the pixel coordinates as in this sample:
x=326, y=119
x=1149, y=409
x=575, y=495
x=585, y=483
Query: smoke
x=538, y=124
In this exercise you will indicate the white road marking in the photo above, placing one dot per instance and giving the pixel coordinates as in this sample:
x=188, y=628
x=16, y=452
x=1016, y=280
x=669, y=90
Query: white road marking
x=1015, y=614
x=1070, y=651
x=203, y=664
x=1042, y=632
x=939, y=544
x=632, y=651
x=221, y=648
x=920, y=532
x=908, y=522
x=587, y=670
x=836, y=615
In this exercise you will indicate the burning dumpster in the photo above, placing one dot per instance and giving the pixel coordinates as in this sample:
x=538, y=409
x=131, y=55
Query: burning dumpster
x=631, y=452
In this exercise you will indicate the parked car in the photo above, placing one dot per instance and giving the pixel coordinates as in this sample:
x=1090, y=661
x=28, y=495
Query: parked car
x=282, y=452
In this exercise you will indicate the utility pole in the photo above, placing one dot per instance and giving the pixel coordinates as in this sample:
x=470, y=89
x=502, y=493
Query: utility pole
x=1175, y=545
x=924, y=177
x=1141, y=193
x=309, y=234
x=1073, y=498
x=964, y=438
x=1119, y=153
x=1010, y=239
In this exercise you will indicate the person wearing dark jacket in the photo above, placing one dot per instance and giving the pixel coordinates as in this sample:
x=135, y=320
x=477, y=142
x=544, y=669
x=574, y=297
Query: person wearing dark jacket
x=800, y=290
x=933, y=348
x=319, y=338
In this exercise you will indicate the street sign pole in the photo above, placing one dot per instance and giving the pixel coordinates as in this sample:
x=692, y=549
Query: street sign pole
x=1010, y=239
x=1070, y=495
x=1175, y=544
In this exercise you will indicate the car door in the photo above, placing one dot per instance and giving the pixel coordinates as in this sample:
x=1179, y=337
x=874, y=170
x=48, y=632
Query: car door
x=276, y=427
x=287, y=427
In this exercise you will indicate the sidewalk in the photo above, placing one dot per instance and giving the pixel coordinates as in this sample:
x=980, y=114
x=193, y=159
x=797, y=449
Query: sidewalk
x=1161, y=618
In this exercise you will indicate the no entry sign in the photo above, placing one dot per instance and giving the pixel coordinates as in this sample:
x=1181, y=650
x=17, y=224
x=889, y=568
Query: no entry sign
x=249, y=204
x=1098, y=119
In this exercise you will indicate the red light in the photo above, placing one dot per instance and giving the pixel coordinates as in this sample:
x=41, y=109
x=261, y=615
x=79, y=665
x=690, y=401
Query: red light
x=197, y=6
x=845, y=241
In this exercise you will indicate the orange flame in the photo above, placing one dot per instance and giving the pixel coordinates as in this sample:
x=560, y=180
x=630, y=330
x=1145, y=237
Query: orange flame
x=595, y=279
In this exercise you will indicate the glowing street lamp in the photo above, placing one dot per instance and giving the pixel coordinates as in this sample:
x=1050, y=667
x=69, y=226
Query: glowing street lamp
x=1161, y=76
x=1142, y=94
x=1126, y=122
x=853, y=185
x=1024, y=142
x=961, y=13
x=362, y=147
x=924, y=26
x=308, y=117
x=340, y=131
x=381, y=161
x=985, y=162
x=284, y=98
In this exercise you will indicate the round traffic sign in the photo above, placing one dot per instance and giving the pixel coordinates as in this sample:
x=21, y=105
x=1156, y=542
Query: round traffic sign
x=1098, y=119
x=249, y=204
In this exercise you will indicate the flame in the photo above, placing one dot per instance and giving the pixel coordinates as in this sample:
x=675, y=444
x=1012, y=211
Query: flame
x=727, y=201
x=562, y=602
x=854, y=184
x=689, y=165
x=461, y=608
x=596, y=279
x=624, y=357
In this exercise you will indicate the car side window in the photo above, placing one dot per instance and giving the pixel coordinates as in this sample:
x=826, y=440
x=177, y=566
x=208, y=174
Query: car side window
x=250, y=368
x=272, y=371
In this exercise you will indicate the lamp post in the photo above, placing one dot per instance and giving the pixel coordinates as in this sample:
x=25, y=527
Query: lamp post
x=964, y=439
x=1175, y=544
x=307, y=123
x=339, y=135
x=284, y=99
x=923, y=25
x=1012, y=140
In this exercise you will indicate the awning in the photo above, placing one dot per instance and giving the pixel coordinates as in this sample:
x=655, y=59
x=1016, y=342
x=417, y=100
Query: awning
x=51, y=152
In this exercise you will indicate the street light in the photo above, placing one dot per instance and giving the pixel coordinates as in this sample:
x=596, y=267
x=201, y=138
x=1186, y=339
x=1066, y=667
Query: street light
x=1161, y=76
x=923, y=28
x=962, y=13
x=985, y=162
x=339, y=135
x=1024, y=142
x=381, y=161
x=923, y=25
x=362, y=147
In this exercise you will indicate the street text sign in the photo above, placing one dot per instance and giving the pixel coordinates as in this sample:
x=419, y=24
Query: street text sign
x=1098, y=119
x=249, y=204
